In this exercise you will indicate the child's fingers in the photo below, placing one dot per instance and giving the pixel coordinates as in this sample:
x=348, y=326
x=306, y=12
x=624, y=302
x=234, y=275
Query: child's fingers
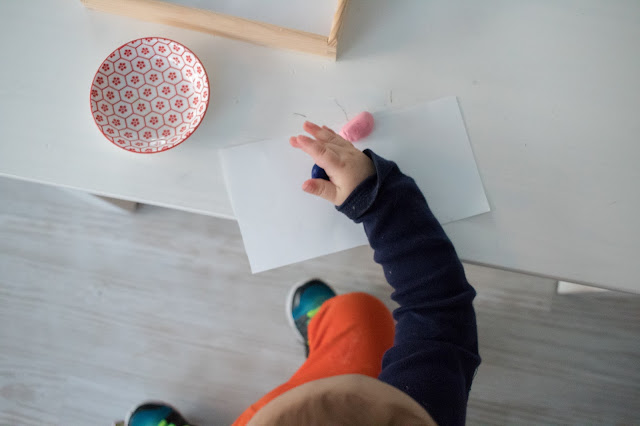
x=327, y=128
x=317, y=131
x=336, y=139
x=321, y=188
x=307, y=139
x=299, y=141
x=316, y=149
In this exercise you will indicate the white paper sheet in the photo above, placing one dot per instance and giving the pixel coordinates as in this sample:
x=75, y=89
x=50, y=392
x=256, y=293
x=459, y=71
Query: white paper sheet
x=281, y=224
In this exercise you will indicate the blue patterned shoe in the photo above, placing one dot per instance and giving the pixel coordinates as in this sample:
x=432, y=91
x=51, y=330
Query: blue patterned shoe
x=303, y=303
x=154, y=414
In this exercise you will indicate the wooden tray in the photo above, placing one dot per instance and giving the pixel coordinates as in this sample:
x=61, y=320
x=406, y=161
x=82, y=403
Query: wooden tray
x=230, y=26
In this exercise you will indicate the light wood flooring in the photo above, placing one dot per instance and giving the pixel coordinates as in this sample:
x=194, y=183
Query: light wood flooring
x=100, y=310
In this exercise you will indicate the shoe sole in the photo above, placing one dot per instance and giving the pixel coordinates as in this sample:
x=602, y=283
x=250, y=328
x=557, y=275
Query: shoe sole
x=127, y=419
x=289, y=305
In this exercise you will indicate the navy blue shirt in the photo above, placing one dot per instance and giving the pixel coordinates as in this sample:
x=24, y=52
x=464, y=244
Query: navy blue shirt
x=435, y=352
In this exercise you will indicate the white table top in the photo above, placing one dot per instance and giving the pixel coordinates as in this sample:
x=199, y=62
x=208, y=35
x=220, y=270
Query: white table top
x=550, y=92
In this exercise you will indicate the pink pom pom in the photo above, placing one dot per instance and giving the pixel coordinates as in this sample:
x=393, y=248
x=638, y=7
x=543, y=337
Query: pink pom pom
x=359, y=127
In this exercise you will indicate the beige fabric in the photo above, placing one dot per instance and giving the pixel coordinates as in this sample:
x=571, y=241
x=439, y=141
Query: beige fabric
x=351, y=399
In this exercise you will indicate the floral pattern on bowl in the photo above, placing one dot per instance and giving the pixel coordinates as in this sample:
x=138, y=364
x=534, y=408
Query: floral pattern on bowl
x=149, y=95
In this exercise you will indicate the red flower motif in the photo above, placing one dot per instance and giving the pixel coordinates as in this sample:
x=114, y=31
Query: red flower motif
x=199, y=84
x=173, y=118
x=145, y=50
x=104, y=107
x=196, y=100
x=115, y=122
x=205, y=94
x=99, y=80
x=122, y=66
x=121, y=142
x=166, y=133
x=141, y=107
x=113, y=55
x=201, y=108
x=166, y=90
x=110, y=131
x=178, y=103
x=190, y=116
x=140, y=64
x=110, y=95
x=122, y=109
x=128, y=52
x=135, y=123
x=184, y=88
x=153, y=120
x=175, y=47
x=162, y=49
x=172, y=76
x=153, y=77
x=115, y=81
x=99, y=118
x=176, y=60
x=128, y=94
x=189, y=73
x=199, y=69
x=146, y=92
x=147, y=135
x=128, y=134
x=183, y=128
x=159, y=62
x=140, y=143
x=135, y=79
x=105, y=67
x=188, y=58
x=160, y=105
x=94, y=93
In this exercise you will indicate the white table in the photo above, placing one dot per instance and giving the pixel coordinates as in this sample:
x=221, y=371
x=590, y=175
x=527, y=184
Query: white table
x=550, y=92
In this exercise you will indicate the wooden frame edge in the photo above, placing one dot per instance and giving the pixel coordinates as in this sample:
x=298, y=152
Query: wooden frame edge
x=336, y=25
x=229, y=26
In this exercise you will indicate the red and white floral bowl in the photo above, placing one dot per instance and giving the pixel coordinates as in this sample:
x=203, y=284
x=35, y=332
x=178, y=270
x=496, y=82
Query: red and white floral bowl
x=149, y=95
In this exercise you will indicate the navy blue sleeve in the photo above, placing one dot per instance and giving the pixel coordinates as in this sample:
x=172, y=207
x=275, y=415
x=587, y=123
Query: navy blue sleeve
x=435, y=353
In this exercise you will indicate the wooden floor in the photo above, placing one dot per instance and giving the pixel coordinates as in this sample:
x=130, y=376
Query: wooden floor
x=100, y=310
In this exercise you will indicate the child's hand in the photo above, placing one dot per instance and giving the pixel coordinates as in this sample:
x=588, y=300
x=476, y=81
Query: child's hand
x=346, y=166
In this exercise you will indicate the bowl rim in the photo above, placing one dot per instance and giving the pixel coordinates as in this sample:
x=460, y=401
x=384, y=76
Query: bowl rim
x=206, y=108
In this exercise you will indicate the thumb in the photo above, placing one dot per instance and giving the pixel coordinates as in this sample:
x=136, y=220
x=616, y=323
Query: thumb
x=321, y=188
